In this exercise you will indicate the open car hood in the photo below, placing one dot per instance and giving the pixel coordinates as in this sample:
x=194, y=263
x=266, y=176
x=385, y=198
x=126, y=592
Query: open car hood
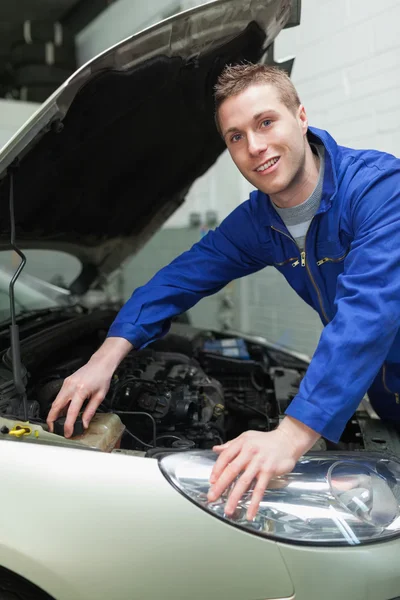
x=113, y=152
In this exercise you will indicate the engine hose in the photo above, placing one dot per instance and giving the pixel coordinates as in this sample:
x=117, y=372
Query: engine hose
x=254, y=383
x=169, y=436
x=141, y=414
x=48, y=392
x=179, y=443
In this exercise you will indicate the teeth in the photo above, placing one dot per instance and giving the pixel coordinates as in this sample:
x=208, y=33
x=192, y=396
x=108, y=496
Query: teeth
x=268, y=164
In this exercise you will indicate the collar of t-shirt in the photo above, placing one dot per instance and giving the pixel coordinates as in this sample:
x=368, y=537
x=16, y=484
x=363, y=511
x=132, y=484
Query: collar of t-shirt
x=298, y=218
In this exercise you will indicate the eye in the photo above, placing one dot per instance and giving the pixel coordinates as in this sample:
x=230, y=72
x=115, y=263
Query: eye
x=236, y=137
x=266, y=123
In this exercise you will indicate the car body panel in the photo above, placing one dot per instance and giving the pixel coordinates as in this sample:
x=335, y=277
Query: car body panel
x=354, y=573
x=122, y=531
x=95, y=525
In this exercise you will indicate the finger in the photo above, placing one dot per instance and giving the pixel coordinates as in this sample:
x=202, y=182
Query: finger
x=54, y=413
x=241, y=486
x=73, y=411
x=220, y=447
x=91, y=408
x=218, y=450
x=258, y=493
x=227, y=455
x=58, y=405
x=228, y=475
x=224, y=458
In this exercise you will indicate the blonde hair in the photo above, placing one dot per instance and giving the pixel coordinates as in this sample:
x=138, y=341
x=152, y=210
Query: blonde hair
x=234, y=79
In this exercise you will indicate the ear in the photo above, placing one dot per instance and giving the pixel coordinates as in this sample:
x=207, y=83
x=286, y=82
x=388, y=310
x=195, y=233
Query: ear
x=302, y=118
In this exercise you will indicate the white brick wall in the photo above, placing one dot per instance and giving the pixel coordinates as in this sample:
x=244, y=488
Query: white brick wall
x=347, y=69
x=347, y=72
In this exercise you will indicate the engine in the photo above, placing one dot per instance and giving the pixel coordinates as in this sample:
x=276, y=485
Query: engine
x=201, y=397
x=186, y=405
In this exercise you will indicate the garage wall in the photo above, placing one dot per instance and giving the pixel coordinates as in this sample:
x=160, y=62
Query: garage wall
x=347, y=69
x=347, y=72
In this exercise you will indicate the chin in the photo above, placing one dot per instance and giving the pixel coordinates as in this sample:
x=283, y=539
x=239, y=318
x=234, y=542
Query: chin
x=271, y=190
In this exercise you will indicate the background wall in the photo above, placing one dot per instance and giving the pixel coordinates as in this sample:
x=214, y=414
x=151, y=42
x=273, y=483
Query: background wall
x=347, y=69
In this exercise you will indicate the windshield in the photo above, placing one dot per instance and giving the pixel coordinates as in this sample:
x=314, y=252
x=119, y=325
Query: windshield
x=42, y=284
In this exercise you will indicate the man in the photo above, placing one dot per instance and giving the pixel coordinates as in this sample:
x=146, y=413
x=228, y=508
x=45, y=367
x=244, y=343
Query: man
x=328, y=218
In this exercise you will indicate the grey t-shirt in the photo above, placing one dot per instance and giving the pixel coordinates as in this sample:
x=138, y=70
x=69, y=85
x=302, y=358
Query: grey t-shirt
x=298, y=218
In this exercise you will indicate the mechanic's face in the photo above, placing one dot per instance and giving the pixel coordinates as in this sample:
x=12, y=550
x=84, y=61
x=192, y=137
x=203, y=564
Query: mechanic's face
x=259, y=130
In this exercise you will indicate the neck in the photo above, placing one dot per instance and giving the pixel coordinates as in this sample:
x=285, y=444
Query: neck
x=302, y=185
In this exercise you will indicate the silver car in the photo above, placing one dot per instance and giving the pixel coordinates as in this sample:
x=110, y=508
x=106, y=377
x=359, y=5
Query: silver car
x=119, y=511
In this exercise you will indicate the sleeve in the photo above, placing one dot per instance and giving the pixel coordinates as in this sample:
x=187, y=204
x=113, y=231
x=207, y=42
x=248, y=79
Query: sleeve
x=354, y=345
x=231, y=251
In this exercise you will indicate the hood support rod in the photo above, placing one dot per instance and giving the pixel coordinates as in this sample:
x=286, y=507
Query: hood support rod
x=14, y=329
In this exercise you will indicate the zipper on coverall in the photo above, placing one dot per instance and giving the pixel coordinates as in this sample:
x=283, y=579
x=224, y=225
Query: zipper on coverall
x=304, y=263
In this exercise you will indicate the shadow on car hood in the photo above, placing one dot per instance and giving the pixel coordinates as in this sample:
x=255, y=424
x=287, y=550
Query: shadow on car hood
x=113, y=152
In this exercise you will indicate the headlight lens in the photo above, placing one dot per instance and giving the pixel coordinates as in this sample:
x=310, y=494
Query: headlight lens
x=329, y=499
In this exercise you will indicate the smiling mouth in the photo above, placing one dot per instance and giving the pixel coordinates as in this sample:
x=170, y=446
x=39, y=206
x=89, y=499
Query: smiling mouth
x=267, y=165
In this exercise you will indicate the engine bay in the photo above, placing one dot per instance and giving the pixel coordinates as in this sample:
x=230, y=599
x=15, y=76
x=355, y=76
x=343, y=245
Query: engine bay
x=191, y=389
x=185, y=391
x=180, y=400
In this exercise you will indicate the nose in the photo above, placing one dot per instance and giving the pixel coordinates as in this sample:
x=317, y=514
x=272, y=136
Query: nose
x=256, y=144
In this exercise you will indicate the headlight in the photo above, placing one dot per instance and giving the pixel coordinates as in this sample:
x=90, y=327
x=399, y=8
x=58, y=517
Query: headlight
x=329, y=499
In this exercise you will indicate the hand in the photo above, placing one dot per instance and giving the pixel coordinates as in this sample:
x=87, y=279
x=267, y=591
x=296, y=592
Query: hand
x=91, y=382
x=258, y=456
